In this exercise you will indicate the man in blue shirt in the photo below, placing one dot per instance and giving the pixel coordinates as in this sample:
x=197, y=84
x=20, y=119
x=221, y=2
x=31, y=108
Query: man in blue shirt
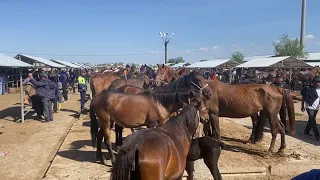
x=64, y=81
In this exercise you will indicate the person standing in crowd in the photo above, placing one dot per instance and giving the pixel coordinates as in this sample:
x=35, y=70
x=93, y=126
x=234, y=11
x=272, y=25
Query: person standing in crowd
x=310, y=102
x=64, y=81
x=45, y=89
x=82, y=89
x=72, y=80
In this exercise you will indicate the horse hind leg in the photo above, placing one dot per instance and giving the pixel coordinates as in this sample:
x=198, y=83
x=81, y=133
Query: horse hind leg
x=190, y=169
x=99, y=156
x=254, y=119
x=283, y=138
x=211, y=161
x=107, y=137
x=273, y=121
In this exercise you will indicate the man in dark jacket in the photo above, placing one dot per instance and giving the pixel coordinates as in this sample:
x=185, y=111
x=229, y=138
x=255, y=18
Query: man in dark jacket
x=45, y=89
x=311, y=101
x=64, y=81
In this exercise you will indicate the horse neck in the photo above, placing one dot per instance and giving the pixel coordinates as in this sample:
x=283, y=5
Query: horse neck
x=161, y=111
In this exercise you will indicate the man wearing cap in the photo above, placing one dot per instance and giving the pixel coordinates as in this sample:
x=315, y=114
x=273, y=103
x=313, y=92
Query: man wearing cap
x=82, y=89
x=310, y=102
x=45, y=89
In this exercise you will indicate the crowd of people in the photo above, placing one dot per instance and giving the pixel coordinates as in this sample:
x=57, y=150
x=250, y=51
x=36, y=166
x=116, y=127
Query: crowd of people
x=47, y=93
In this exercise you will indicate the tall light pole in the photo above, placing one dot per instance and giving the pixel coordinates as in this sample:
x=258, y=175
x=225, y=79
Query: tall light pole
x=166, y=40
x=303, y=25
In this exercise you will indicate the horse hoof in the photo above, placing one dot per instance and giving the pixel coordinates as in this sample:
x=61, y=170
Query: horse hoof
x=268, y=155
x=280, y=153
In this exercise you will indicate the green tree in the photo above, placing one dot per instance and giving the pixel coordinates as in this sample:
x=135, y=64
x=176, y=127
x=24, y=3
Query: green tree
x=289, y=47
x=180, y=60
x=238, y=57
x=171, y=60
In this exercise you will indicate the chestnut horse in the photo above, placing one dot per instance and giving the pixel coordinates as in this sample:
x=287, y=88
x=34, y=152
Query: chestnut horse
x=158, y=153
x=127, y=111
x=141, y=82
x=240, y=101
x=99, y=82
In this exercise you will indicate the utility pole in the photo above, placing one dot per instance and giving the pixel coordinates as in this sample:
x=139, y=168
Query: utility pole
x=166, y=40
x=303, y=19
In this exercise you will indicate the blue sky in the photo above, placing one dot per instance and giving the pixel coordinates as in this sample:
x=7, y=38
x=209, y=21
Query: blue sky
x=204, y=29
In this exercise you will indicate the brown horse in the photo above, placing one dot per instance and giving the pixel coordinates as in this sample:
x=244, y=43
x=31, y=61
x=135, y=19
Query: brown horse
x=99, y=82
x=172, y=100
x=159, y=153
x=128, y=111
x=141, y=82
x=168, y=74
x=240, y=101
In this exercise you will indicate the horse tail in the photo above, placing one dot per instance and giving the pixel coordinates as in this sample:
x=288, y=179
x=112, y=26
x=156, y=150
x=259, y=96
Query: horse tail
x=94, y=125
x=258, y=134
x=290, y=108
x=125, y=163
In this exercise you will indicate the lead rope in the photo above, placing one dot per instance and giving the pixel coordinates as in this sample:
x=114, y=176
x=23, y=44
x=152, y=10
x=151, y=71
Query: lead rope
x=198, y=128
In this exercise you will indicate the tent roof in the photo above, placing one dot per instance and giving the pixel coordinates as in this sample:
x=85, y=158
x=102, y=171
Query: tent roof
x=214, y=63
x=81, y=65
x=66, y=63
x=41, y=60
x=283, y=61
x=312, y=57
x=7, y=61
x=179, y=65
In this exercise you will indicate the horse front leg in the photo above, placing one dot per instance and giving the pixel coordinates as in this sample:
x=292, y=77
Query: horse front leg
x=214, y=119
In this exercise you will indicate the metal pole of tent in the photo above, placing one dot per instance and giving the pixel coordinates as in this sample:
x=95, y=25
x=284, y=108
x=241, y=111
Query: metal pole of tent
x=21, y=96
x=230, y=75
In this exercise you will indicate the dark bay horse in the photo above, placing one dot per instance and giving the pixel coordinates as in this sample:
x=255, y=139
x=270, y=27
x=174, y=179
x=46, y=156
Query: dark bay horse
x=158, y=153
x=240, y=101
x=207, y=149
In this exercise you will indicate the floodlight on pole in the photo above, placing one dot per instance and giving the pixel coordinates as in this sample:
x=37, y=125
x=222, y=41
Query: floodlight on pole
x=166, y=40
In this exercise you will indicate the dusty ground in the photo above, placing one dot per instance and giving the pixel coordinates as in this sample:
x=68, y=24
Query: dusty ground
x=33, y=145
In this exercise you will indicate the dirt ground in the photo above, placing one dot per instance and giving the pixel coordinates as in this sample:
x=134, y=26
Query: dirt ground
x=36, y=144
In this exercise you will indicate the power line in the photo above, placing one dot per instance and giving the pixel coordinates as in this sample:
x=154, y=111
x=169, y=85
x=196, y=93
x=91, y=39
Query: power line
x=79, y=55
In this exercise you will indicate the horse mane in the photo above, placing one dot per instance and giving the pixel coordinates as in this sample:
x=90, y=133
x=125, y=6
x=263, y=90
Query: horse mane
x=183, y=119
x=184, y=81
x=167, y=97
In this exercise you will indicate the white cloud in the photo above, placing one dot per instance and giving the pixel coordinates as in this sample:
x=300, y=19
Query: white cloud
x=309, y=36
x=318, y=43
x=155, y=52
x=215, y=47
x=235, y=45
x=202, y=49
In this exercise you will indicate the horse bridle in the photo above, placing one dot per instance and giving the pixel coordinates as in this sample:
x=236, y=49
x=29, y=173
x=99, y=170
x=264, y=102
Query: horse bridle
x=200, y=88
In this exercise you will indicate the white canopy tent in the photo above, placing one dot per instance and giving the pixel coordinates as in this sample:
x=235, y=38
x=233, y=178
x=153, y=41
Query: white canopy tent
x=66, y=63
x=214, y=63
x=10, y=62
x=38, y=61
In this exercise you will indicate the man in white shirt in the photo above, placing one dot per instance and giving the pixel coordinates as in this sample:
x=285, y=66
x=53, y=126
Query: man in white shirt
x=311, y=100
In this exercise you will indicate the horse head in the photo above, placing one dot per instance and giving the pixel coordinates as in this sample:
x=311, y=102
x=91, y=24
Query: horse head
x=196, y=99
x=165, y=74
x=200, y=83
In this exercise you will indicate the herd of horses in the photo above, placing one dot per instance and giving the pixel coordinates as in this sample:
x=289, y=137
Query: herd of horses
x=172, y=104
